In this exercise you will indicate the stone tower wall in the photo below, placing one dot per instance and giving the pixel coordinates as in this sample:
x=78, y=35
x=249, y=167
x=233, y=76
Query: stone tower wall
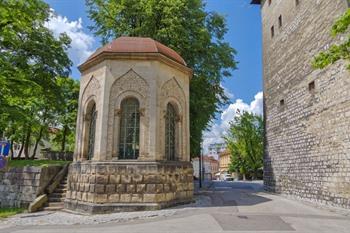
x=307, y=152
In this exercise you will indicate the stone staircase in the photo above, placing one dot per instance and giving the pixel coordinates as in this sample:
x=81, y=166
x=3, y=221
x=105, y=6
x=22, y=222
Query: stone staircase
x=56, y=199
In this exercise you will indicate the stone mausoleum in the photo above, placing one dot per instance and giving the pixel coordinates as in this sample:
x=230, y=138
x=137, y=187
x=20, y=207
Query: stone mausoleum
x=132, y=138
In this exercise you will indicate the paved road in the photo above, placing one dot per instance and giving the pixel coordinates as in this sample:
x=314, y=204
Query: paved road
x=224, y=207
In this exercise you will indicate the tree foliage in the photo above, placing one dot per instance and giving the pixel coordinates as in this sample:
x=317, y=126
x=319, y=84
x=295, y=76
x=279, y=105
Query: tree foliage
x=337, y=51
x=32, y=60
x=185, y=26
x=67, y=114
x=245, y=143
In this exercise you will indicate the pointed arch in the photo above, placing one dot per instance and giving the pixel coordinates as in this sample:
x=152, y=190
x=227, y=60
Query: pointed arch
x=89, y=128
x=129, y=85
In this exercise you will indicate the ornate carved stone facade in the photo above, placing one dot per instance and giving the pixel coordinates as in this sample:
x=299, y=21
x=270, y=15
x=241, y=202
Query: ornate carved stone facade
x=119, y=162
x=129, y=84
x=102, y=187
x=307, y=111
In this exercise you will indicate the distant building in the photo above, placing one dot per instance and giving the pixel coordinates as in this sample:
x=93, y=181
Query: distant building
x=210, y=167
x=214, y=166
x=224, y=162
x=215, y=149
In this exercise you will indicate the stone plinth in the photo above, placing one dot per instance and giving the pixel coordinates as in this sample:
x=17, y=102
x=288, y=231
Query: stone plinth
x=101, y=187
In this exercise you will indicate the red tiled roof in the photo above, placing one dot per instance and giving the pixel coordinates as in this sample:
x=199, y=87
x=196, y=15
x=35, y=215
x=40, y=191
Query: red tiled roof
x=137, y=45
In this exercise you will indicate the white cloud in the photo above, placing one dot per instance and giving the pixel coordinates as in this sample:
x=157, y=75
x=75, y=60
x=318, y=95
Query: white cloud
x=217, y=131
x=81, y=44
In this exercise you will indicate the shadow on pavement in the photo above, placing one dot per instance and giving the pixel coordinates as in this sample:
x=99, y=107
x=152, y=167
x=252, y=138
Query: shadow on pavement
x=234, y=194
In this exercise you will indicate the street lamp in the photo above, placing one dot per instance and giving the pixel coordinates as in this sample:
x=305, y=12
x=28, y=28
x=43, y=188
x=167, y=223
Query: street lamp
x=201, y=165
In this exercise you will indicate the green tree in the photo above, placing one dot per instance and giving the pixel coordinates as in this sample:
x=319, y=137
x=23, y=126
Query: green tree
x=31, y=57
x=185, y=26
x=67, y=113
x=31, y=60
x=337, y=51
x=245, y=142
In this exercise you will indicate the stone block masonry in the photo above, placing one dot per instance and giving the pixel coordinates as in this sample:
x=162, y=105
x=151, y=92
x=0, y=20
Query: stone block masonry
x=307, y=111
x=20, y=186
x=101, y=187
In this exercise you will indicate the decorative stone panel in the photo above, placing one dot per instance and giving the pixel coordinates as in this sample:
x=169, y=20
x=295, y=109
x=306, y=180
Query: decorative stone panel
x=128, y=85
x=172, y=92
x=102, y=187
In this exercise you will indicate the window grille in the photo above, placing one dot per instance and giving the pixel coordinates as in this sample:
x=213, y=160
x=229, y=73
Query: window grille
x=129, y=129
x=170, y=132
x=92, y=129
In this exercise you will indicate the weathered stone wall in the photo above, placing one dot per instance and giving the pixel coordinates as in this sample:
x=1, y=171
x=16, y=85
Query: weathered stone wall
x=20, y=186
x=307, y=130
x=100, y=187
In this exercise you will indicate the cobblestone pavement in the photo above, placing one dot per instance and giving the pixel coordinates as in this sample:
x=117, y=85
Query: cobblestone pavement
x=223, y=207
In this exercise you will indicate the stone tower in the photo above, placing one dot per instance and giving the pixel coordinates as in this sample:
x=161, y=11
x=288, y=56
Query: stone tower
x=307, y=111
x=132, y=139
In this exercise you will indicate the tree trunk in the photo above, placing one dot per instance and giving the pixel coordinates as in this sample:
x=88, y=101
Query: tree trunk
x=37, y=142
x=237, y=174
x=244, y=177
x=63, y=143
x=255, y=175
x=27, y=143
x=11, y=149
x=22, y=147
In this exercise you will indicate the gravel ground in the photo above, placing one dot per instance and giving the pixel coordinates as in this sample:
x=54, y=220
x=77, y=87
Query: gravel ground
x=68, y=218
x=65, y=218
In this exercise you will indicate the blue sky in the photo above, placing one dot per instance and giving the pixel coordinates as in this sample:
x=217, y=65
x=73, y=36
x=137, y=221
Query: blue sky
x=244, y=34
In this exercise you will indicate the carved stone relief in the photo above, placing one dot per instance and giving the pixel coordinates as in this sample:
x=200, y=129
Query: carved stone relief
x=128, y=85
x=171, y=91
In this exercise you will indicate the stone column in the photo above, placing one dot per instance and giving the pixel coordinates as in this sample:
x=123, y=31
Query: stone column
x=143, y=131
x=101, y=121
x=116, y=134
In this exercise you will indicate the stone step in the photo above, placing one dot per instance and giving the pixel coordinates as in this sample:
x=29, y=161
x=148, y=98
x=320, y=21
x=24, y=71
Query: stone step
x=57, y=195
x=60, y=190
x=56, y=199
x=63, y=186
x=50, y=208
x=55, y=204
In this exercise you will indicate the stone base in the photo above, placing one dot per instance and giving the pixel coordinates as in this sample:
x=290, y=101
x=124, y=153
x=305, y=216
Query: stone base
x=103, y=187
x=93, y=208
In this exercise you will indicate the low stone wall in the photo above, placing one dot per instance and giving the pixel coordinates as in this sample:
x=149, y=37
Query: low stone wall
x=100, y=187
x=56, y=155
x=20, y=186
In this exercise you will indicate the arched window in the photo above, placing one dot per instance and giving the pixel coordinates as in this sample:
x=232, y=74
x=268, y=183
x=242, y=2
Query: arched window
x=92, y=129
x=129, y=129
x=170, y=132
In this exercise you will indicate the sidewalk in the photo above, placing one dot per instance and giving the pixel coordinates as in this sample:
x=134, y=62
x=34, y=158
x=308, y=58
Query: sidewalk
x=206, y=184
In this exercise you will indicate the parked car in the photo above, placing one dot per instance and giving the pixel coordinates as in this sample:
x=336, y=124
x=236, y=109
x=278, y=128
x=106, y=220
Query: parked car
x=227, y=177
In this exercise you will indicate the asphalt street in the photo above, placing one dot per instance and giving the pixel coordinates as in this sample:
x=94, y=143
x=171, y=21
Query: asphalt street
x=225, y=207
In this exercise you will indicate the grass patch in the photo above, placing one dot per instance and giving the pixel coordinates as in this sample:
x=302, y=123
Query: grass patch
x=35, y=163
x=7, y=212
